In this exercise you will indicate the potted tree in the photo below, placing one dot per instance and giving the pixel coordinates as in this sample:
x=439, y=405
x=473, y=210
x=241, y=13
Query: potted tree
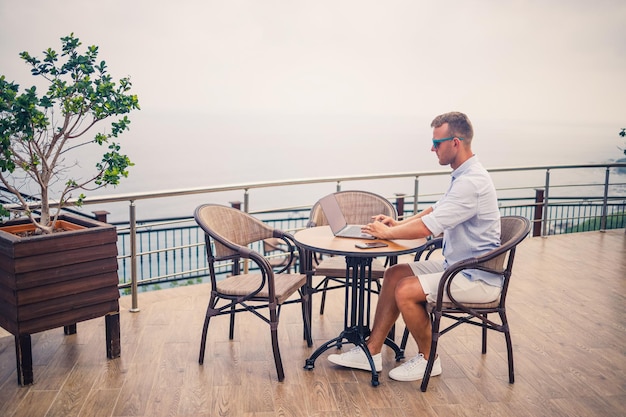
x=57, y=269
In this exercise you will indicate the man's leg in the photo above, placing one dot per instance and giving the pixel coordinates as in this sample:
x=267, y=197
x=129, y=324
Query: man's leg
x=410, y=298
x=387, y=311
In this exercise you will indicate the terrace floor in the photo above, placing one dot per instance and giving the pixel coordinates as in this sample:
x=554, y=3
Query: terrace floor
x=567, y=308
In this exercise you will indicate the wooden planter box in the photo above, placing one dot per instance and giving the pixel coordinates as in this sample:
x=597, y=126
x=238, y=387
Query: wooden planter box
x=57, y=280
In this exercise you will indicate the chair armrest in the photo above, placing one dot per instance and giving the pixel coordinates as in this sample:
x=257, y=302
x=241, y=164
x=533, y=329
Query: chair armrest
x=291, y=249
x=429, y=247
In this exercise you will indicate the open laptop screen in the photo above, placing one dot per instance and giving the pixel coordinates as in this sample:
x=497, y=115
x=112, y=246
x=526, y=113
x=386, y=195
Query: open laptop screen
x=333, y=213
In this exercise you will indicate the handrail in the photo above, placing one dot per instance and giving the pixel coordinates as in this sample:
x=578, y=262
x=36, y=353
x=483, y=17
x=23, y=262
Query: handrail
x=90, y=200
x=318, y=180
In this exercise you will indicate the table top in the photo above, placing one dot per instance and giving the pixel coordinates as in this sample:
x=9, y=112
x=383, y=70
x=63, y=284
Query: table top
x=321, y=239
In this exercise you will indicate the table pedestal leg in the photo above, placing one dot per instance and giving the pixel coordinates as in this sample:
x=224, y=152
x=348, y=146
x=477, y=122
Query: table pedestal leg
x=352, y=335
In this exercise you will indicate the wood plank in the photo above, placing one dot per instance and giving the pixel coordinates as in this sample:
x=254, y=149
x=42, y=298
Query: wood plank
x=100, y=402
x=168, y=385
x=36, y=403
x=133, y=400
x=71, y=316
x=52, y=260
x=68, y=272
x=8, y=317
x=18, y=247
x=70, y=302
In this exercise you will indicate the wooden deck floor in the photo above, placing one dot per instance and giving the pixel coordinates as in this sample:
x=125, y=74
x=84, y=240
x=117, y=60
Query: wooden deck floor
x=567, y=309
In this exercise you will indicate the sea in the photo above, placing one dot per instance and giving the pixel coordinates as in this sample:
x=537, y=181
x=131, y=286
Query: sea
x=186, y=150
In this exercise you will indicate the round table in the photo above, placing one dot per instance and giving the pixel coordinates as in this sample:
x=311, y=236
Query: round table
x=358, y=269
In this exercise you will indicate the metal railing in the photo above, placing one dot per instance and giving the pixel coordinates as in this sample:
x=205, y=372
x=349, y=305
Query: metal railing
x=174, y=249
x=558, y=199
x=171, y=251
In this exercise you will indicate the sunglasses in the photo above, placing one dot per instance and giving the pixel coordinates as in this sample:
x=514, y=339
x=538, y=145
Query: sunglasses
x=436, y=142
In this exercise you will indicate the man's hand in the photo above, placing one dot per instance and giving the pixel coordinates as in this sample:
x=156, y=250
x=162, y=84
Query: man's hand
x=380, y=226
x=386, y=220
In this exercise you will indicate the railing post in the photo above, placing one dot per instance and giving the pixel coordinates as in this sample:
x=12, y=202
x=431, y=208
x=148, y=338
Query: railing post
x=338, y=186
x=546, y=213
x=605, y=203
x=101, y=215
x=133, y=257
x=538, y=214
x=416, y=187
x=400, y=205
x=246, y=200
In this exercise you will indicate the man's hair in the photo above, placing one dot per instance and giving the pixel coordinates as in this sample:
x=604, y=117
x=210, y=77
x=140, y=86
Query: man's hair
x=458, y=125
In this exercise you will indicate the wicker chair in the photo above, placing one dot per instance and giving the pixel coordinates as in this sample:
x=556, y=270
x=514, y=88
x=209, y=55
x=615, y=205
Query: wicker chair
x=358, y=207
x=514, y=230
x=228, y=235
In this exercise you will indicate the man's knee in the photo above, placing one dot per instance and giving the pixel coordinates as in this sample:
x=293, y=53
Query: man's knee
x=409, y=290
x=397, y=272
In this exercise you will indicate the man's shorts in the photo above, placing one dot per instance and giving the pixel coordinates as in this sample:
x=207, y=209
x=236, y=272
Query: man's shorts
x=429, y=273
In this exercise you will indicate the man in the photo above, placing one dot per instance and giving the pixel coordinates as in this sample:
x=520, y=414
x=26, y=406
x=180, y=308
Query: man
x=469, y=219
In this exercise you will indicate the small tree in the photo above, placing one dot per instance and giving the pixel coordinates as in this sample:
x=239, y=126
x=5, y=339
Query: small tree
x=38, y=132
x=622, y=133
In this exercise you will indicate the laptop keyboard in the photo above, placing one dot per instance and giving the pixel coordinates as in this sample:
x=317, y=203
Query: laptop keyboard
x=354, y=231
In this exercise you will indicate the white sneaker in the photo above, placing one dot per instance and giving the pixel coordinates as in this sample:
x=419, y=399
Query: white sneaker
x=356, y=358
x=414, y=368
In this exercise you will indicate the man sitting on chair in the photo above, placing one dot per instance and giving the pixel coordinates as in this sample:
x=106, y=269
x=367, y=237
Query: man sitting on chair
x=469, y=218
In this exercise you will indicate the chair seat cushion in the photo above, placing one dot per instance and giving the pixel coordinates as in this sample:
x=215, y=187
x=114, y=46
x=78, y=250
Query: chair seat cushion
x=241, y=285
x=335, y=266
x=446, y=305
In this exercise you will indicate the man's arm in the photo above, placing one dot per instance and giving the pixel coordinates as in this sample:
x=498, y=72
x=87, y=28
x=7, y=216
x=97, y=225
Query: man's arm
x=389, y=221
x=417, y=216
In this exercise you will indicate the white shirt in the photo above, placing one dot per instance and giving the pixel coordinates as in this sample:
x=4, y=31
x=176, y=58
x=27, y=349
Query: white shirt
x=469, y=218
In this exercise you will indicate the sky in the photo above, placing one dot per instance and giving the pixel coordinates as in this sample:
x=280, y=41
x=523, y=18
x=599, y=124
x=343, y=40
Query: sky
x=248, y=78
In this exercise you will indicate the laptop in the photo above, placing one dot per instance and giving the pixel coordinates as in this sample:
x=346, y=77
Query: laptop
x=337, y=221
